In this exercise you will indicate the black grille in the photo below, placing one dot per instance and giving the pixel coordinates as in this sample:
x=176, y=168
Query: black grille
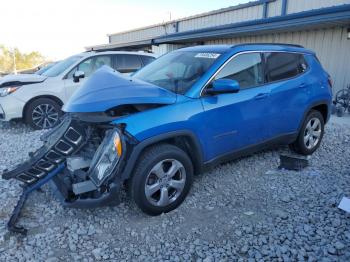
x=66, y=140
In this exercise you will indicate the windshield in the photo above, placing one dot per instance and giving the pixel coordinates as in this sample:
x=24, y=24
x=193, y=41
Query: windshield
x=177, y=71
x=61, y=66
x=45, y=68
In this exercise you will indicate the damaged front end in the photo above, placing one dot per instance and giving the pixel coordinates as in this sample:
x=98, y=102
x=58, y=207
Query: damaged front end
x=85, y=155
x=81, y=159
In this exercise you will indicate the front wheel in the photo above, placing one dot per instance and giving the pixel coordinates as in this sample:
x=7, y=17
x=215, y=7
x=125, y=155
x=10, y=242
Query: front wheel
x=162, y=179
x=43, y=113
x=310, y=135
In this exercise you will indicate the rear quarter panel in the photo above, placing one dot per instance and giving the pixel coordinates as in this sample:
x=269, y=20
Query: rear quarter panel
x=321, y=92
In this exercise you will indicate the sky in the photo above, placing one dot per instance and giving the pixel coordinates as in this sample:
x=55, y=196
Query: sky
x=60, y=28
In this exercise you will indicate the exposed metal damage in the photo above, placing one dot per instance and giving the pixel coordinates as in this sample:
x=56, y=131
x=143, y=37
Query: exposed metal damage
x=81, y=159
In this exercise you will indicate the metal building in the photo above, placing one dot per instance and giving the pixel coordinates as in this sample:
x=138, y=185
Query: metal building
x=320, y=25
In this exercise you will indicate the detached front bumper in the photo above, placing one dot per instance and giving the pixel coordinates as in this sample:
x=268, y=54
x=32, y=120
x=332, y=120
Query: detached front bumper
x=77, y=158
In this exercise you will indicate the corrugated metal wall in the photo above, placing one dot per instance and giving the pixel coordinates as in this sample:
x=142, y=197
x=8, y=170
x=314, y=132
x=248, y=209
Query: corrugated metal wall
x=228, y=17
x=221, y=17
x=274, y=8
x=165, y=48
x=142, y=34
x=331, y=46
x=295, y=6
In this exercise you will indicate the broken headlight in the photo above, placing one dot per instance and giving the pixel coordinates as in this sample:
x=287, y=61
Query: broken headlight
x=106, y=158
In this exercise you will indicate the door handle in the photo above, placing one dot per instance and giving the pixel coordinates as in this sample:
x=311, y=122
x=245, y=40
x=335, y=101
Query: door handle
x=303, y=85
x=261, y=96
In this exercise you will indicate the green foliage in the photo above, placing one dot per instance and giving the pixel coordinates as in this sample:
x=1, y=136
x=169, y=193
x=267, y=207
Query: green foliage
x=23, y=60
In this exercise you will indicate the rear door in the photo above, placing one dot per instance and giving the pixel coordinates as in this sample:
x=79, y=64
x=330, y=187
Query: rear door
x=128, y=63
x=236, y=121
x=286, y=75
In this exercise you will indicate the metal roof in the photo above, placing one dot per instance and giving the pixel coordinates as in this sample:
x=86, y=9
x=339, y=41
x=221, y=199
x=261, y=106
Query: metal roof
x=218, y=11
x=315, y=18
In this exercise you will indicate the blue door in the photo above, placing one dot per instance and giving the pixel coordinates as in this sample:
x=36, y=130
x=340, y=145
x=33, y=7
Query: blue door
x=236, y=121
x=287, y=77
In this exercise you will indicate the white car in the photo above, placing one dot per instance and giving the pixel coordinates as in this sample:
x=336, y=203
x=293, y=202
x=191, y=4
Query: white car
x=38, y=98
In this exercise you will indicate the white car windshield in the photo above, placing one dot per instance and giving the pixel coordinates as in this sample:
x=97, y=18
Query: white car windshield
x=61, y=66
x=177, y=71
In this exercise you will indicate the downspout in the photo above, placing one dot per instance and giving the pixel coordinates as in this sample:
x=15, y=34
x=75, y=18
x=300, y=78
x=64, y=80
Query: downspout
x=284, y=7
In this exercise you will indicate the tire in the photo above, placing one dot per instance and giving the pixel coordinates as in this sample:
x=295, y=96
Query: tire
x=310, y=135
x=43, y=113
x=161, y=159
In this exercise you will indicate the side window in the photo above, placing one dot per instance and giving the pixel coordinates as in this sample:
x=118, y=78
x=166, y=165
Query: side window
x=86, y=66
x=102, y=60
x=281, y=66
x=128, y=63
x=147, y=59
x=90, y=65
x=246, y=69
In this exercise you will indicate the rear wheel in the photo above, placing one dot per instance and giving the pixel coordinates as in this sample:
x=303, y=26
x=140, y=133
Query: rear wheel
x=43, y=113
x=162, y=179
x=310, y=135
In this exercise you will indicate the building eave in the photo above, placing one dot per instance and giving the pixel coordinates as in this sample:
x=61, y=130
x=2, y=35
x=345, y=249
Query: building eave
x=106, y=47
x=318, y=18
x=339, y=15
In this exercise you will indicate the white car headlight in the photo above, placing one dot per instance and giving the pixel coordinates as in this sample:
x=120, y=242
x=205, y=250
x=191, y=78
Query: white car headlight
x=106, y=158
x=8, y=90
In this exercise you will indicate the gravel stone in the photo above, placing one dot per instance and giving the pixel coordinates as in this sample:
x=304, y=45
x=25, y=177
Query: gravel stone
x=245, y=210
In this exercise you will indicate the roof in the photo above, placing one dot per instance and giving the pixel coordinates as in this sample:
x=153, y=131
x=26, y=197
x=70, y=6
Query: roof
x=248, y=47
x=272, y=47
x=218, y=11
x=208, y=48
x=317, y=18
x=92, y=52
x=308, y=19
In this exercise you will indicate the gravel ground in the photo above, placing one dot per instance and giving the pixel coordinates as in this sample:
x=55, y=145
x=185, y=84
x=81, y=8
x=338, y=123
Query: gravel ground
x=245, y=210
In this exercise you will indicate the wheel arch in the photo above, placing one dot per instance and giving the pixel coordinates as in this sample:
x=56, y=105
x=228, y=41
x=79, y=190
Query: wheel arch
x=323, y=109
x=54, y=98
x=183, y=139
x=321, y=106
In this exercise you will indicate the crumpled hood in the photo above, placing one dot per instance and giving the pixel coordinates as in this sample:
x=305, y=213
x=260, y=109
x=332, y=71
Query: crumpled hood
x=107, y=88
x=21, y=79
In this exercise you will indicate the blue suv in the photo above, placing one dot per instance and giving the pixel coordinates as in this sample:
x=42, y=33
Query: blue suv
x=189, y=110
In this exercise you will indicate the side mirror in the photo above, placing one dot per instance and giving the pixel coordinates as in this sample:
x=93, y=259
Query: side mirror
x=77, y=75
x=223, y=86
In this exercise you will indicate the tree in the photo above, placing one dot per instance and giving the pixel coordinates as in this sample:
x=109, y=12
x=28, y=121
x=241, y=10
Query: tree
x=23, y=60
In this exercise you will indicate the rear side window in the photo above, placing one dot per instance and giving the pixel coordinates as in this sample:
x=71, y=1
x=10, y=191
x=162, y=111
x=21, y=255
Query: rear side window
x=128, y=63
x=280, y=66
x=147, y=59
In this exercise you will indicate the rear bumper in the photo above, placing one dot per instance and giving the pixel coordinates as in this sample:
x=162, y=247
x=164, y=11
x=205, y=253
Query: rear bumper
x=10, y=108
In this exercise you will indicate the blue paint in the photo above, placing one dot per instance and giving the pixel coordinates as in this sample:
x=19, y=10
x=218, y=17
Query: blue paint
x=221, y=123
x=43, y=181
x=284, y=7
x=107, y=89
x=265, y=10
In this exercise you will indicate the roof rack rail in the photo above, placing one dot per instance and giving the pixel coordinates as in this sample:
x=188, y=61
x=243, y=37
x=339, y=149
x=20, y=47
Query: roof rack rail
x=292, y=45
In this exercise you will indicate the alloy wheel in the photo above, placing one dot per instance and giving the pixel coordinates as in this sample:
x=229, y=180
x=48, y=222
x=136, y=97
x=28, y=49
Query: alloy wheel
x=165, y=182
x=45, y=116
x=313, y=132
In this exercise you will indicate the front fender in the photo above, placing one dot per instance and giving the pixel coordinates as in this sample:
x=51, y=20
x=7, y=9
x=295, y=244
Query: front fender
x=156, y=125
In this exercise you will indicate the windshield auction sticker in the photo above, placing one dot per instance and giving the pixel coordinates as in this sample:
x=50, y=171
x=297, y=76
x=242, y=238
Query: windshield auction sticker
x=208, y=55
